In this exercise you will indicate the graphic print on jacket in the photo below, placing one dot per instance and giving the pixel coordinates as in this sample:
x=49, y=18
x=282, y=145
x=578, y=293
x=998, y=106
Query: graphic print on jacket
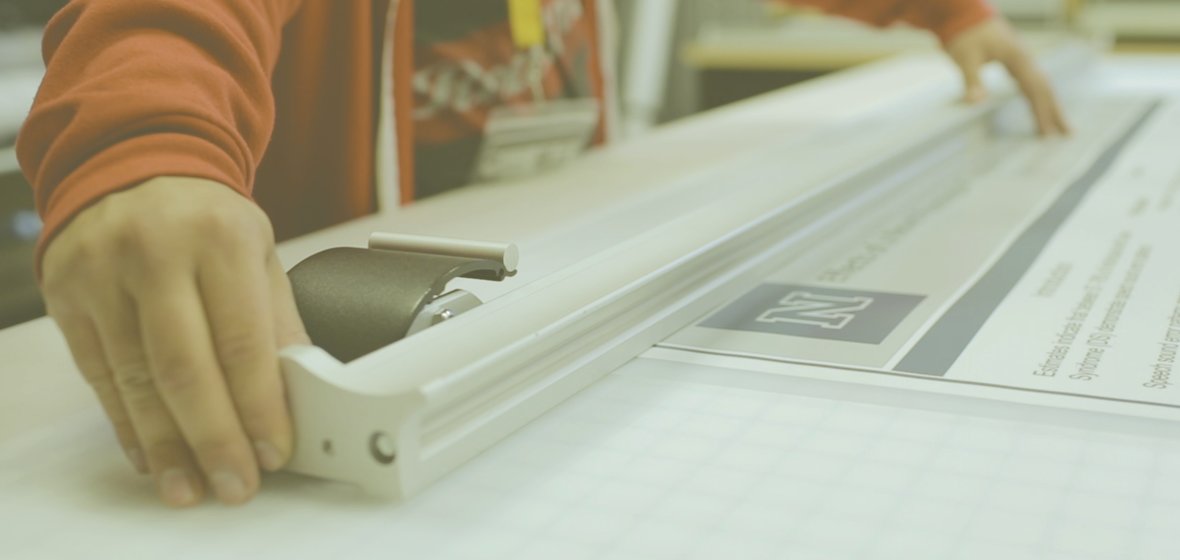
x=465, y=66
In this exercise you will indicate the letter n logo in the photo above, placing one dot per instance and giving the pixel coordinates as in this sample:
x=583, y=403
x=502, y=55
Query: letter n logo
x=816, y=310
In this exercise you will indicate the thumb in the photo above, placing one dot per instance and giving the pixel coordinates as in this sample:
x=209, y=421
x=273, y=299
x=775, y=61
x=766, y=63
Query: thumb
x=289, y=328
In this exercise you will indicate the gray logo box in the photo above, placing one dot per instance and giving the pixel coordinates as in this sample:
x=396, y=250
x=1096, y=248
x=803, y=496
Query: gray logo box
x=816, y=312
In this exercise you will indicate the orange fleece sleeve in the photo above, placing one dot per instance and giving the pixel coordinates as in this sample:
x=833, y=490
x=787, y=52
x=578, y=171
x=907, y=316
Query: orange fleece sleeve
x=137, y=89
x=946, y=18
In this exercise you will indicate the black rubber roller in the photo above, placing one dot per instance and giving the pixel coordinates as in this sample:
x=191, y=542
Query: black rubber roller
x=354, y=301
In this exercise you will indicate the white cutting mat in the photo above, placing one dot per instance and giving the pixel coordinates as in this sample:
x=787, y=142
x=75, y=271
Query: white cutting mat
x=641, y=466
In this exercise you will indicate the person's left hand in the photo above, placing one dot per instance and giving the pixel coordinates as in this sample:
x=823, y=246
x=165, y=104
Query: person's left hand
x=995, y=40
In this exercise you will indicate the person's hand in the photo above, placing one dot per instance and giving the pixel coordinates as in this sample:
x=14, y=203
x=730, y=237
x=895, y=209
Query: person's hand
x=174, y=307
x=995, y=40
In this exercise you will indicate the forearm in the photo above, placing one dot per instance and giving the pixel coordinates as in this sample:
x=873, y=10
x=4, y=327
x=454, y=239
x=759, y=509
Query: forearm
x=136, y=89
x=946, y=18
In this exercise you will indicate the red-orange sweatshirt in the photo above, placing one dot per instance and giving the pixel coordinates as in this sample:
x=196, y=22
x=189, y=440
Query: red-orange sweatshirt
x=278, y=99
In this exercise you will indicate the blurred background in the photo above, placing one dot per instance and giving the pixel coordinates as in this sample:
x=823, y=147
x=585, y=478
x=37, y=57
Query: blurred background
x=20, y=72
x=677, y=58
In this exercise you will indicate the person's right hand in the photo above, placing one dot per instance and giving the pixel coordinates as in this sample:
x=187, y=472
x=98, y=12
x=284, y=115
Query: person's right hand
x=174, y=306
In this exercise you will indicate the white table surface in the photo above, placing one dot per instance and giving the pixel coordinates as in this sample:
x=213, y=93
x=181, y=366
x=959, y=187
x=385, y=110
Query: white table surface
x=645, y=464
